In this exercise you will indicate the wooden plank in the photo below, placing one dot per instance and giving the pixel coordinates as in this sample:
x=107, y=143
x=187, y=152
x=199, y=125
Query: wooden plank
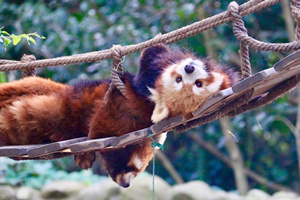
x=130, y=137
x=53, y=147
x=166, y=124
x=261, y=82
x=291, y=60
x=217, y=97
x=15, y=150
x=91, y=145
x=244, y=84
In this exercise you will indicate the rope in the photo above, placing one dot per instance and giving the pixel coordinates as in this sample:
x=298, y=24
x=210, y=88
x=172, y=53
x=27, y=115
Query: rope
x=154, y=144
x=116, y=73
x=25, y=59
x=3, y=61
x=179, y=34
x=239, y=26
x=153, y=174
x=240, y=33
x=234, y=14
x=295, y=10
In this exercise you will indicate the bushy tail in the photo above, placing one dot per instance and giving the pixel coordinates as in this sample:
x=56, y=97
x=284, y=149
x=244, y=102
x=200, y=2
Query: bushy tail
x=10, y=92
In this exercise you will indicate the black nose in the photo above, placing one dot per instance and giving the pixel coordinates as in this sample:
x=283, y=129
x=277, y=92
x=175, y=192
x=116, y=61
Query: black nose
x=125, y=185
x=189, y=69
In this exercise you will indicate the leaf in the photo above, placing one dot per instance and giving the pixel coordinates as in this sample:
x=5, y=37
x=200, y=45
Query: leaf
x=7, y=41
x=16, y=39
x=30, y=39
x=23, y=36
x=5, y=33
x=3, y=77
x=1, y=40
x=34, y=34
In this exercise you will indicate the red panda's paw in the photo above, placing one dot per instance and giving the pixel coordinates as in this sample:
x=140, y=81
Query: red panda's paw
x=85, y=160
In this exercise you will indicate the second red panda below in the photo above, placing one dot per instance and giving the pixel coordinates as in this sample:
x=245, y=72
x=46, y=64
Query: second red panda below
x=36, y=110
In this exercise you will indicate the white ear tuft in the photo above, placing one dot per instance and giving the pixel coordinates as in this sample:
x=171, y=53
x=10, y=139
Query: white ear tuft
x=216, y=85
x=155, y=95
x=160, y=111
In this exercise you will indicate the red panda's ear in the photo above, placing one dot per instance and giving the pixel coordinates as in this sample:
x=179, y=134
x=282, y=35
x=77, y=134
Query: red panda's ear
x=152, y=53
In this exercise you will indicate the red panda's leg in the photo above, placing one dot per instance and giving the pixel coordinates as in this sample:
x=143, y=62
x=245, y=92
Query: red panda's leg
x=29, y=86
x=85, y=160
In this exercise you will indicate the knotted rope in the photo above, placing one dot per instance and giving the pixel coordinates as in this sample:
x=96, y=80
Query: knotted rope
x=239, y=28
x=179, y=34
x=28, y=72
x=116, y=72
x=234, y=14
x=295, y=9
x=242, y=103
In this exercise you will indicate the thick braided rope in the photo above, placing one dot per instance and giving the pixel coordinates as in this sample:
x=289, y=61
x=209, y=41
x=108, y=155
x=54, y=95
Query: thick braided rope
x=167, y=38
x=240, y=34
x=285, y=86
x=3, y=61
x=295, y=9
x=239, y=26
x=116, y=72
x=28, y=72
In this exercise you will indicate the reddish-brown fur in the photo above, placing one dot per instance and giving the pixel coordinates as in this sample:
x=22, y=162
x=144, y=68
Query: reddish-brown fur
x=36, y=110
x=60, y=113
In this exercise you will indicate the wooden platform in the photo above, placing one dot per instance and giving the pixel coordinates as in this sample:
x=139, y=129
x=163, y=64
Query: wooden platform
x=261, y=82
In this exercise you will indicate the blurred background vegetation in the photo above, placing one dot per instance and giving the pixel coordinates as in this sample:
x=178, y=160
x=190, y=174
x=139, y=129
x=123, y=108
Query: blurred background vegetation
x=263, y=136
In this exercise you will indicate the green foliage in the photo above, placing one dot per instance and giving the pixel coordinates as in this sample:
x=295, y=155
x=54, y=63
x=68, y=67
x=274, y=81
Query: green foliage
x=37, y=173
x=7, y=38
x=3, y=77
x=73, y=27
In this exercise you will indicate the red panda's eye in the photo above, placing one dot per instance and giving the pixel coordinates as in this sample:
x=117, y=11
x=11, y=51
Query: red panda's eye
x=198, y=83
x=178, y=79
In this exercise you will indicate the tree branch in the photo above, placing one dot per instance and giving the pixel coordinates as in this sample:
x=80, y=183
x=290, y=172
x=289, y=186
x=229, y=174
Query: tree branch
x=236, y=159
x=253, y=175
x=169, y=167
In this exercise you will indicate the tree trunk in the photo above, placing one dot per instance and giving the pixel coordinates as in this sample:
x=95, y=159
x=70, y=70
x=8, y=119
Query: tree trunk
x=235, y=156
x=253, y=175
x=231, y=146
x=169, y=167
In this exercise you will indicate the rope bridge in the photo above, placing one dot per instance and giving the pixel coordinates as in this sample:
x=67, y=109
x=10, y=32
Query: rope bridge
x=251, y=92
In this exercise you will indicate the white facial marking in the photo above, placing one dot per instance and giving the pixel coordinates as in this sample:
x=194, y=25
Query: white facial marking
x=128, y=177
x=216, y=84
x=125, y=178
x=137, y=162
x=198, y=91
x=199, y=72
x=169, y=81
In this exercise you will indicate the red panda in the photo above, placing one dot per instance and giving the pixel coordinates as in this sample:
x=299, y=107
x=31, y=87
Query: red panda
x=186, y=83
x=36, y=110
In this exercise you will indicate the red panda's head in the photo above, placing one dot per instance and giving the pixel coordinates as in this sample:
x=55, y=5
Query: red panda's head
x=184, y=82
x=124, y=164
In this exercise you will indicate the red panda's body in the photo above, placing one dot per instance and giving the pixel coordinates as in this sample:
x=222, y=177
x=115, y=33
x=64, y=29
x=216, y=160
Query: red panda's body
x=76, y=111
x=35, y=110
